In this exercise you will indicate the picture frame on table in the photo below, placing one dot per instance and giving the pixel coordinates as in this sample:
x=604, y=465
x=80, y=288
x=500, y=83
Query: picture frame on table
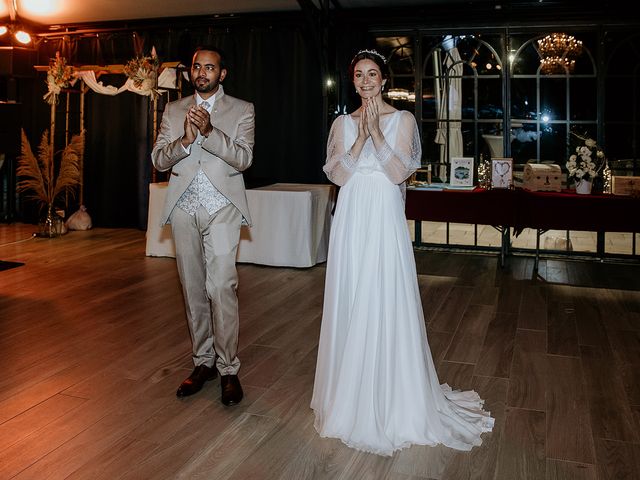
x=501, y=172
x=461, y=172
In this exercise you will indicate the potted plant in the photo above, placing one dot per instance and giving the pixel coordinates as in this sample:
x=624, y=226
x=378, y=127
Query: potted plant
x=584, y=165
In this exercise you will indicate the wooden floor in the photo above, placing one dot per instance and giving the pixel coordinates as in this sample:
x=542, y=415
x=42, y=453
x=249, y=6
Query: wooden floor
x=93, y=344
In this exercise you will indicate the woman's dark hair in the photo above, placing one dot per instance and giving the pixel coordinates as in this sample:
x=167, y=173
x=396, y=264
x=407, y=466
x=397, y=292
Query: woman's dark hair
x=372, y=55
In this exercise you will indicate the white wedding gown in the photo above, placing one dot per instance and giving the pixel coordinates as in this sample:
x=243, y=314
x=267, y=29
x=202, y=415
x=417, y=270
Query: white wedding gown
x=376, y=386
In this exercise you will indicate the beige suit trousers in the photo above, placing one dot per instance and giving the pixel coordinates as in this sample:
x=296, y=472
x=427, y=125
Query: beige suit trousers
x=206, y=248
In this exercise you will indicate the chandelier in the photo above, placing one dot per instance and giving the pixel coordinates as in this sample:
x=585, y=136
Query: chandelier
x=401, y=94
x=558, y=53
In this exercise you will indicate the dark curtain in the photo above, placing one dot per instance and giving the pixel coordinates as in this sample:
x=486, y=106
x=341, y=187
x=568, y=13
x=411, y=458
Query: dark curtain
x=117, y=166
x=271, y=66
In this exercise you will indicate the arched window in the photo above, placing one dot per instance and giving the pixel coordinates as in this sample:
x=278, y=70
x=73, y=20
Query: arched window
x=547, y=106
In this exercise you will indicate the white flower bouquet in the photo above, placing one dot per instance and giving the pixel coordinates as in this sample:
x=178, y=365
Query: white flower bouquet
x=587, y=162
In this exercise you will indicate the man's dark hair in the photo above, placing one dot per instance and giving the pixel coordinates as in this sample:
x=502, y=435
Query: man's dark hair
x=212, y=48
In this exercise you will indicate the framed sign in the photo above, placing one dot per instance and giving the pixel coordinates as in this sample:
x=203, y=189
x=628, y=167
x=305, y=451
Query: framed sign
x=501, y=172
x=461, y=171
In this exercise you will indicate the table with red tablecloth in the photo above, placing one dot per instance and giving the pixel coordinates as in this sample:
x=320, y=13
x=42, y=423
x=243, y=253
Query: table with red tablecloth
x=569, y=211
x=519, y=209
x=479, y=206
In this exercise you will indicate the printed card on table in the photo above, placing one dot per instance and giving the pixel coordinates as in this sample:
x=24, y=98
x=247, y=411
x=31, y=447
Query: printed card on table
x=501, y=172
x=461, y=171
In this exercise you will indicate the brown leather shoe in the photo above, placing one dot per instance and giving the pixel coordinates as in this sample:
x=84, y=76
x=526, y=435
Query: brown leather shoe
x=231, y=389
x=195, y=381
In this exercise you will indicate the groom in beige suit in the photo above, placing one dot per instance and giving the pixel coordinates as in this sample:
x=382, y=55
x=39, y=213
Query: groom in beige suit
x=207, y=142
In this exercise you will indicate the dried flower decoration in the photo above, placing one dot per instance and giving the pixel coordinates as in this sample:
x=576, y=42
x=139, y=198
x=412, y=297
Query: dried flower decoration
x=143, y=71
x=59, y=76
x=44, y=177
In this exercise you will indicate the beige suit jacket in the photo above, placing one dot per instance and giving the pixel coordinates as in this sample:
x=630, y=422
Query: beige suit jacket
x=223, y=156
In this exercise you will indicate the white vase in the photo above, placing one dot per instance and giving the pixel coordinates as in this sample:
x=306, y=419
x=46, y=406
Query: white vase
x=583, y=187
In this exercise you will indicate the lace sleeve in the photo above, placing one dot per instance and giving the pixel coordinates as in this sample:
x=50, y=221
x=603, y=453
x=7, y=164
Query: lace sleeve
x=340, y=164
x=399, y=163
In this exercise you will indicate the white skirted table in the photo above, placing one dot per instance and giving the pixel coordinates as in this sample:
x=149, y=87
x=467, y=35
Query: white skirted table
x=291, y=223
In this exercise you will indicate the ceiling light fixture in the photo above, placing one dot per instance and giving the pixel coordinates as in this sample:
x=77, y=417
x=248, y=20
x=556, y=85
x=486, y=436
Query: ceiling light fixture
x=17, y=33
x=398, y=94
x=558, y=53
x=14, y=27
x=22, y=37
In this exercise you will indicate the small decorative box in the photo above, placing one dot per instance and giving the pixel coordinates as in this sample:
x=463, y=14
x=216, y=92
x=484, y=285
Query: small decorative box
x=542, y=177
x=625, y=185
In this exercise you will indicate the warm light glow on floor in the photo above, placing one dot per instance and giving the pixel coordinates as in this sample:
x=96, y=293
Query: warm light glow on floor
x=39, y=7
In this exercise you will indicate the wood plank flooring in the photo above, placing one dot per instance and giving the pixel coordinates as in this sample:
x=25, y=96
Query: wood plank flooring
x=93, y=344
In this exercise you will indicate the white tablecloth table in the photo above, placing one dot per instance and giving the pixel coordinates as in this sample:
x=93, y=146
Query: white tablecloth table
x=159, y=239
x=291, y=223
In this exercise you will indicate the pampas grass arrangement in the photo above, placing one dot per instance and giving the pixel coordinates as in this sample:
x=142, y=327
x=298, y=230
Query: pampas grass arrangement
x=39, y=175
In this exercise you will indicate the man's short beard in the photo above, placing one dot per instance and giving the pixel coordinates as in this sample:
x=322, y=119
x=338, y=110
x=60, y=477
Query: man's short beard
x=206, y=88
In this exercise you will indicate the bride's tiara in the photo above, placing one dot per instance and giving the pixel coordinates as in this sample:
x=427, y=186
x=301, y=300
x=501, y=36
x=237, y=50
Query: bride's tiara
x=371, y=52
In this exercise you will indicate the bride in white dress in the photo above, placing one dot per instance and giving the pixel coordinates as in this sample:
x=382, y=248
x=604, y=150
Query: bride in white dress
x=376, y=386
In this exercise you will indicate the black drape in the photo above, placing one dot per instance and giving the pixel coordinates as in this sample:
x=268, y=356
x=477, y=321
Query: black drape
x=271, y=66
x=117, y=165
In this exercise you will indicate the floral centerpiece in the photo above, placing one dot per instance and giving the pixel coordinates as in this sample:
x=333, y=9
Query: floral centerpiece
x=143, y=72
x=584, y=165
x=59, y=76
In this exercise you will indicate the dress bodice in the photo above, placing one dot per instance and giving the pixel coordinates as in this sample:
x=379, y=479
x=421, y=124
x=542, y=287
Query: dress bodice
x=397, y=158
x=368, y=163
